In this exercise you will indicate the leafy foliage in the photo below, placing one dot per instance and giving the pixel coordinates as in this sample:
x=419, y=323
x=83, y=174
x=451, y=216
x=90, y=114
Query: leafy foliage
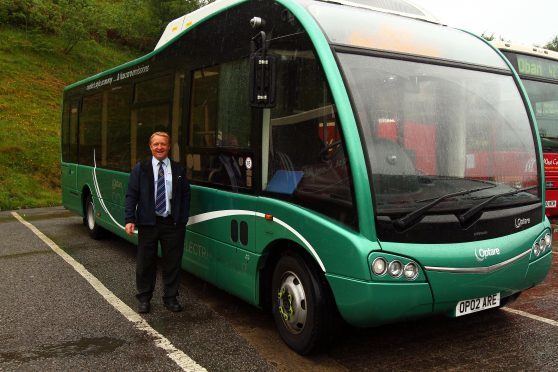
x=34, y=73
x=46, y=45
x=488, y=37
x=136, y=23
x=553, y=44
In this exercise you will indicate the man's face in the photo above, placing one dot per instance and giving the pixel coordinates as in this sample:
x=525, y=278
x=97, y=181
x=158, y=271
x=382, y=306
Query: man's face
x=160, y=147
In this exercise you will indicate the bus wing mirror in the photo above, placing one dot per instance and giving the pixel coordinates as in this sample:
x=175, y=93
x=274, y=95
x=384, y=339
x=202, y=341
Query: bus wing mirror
x=262, y=80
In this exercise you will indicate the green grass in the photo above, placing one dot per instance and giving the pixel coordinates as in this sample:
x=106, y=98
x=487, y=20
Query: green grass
x=33, y=74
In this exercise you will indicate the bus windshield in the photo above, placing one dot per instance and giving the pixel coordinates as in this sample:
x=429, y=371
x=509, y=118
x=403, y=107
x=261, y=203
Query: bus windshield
x=431, y=131
x=544, y=100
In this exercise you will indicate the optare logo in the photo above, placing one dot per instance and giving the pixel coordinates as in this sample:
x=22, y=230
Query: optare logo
x=482, y=253
x=521, y=221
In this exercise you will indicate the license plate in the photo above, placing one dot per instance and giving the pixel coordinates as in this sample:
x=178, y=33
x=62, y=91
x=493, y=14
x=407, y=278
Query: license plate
x=477, y=304
x=550, y=203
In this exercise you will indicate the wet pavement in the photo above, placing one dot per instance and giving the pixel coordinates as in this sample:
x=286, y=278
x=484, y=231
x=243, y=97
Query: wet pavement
x=52, y=319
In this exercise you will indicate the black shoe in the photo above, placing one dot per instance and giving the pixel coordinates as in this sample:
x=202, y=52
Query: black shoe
x=144, y=307
x=173, y=305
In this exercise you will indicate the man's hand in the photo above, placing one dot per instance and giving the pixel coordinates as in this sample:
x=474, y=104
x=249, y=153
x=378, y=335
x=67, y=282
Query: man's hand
x=130, y=227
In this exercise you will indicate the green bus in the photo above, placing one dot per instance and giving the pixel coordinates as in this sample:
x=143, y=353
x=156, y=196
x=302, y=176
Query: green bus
x=346, y=160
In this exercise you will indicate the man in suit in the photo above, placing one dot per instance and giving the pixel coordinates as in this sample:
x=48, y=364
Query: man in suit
x=158, y=203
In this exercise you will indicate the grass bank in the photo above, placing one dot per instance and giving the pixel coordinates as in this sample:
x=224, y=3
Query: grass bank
x=33, y=74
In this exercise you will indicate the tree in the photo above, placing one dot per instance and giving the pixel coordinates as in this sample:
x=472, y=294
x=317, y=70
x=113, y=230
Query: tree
x=15, y=12
x=79, y=20
x=487, y=37
x=137, y=23
x=553, y=44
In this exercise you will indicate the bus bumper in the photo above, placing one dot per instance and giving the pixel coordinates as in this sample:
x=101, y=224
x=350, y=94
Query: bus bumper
x=367, y=304
x=449, y=289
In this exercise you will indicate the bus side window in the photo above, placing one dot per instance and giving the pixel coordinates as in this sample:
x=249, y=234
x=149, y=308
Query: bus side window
x=220, y=126
x=307, y=159
x=220, y=114
x=90, y=129
x=118, y=136
x=151, y=112
x=69, y=132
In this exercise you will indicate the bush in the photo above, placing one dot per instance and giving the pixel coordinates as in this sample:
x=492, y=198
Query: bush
x=136, y=23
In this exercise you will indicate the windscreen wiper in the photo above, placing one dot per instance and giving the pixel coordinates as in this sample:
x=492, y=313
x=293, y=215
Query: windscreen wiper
x=410, y=218
x=469, y=213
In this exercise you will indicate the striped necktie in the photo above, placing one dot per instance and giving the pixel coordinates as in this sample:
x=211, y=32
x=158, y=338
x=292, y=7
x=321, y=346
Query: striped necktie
x=161, y=197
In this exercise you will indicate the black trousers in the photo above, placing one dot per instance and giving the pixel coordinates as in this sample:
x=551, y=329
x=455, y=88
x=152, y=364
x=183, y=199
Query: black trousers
x=171, y=237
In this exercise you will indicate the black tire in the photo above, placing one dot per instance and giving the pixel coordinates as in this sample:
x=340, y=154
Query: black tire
x=95, y=231
x=301, y=305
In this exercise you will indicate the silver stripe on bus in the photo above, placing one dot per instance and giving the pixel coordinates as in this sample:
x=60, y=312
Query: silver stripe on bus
x=298, y=235
x=237, y=212
x=478, y=270
x=101, y=201
x=210, y=216
x=218, y=214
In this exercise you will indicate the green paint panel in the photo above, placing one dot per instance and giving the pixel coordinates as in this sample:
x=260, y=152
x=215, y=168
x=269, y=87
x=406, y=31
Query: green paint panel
x=342, y=251
x=369, y=304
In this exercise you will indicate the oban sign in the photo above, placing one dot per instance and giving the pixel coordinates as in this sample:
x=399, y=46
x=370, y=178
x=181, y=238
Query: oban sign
x=540, y=67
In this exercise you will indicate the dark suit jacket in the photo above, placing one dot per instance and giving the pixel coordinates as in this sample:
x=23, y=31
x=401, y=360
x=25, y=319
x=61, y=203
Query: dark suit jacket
x=140, y=197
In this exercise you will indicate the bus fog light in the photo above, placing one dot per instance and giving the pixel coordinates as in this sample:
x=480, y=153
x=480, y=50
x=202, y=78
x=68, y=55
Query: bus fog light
x=536, y=249
x=395, y=269
x=410, y=271
x=379, y=266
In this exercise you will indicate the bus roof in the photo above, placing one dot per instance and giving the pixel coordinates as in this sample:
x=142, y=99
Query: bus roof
x=362, y=28
x=399, y=7
x=180, y=24
x=525, y=49
x=403, y=10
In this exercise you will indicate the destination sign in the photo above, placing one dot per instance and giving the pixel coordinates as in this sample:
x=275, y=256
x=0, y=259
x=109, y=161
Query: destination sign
x=534, y=66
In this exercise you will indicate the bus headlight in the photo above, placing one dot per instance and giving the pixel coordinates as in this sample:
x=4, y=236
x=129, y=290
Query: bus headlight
x=536, y=249
x=548, y=240
x=410, y=271
x=399, y=268
x=395, y=269
x=542, y=244
x=379, y=266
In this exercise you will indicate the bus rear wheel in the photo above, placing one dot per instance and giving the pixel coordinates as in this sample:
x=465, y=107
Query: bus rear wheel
x=95, y=231
x=300, y=305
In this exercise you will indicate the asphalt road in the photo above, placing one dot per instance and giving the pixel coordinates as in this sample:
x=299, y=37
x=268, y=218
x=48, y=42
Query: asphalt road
x=52, y=318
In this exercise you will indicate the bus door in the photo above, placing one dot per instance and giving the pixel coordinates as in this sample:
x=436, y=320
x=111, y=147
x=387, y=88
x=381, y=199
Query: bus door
x=220, y=160
x=70, y=194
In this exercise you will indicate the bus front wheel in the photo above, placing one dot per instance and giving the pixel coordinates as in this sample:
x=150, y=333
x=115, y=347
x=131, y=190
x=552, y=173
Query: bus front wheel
x=300, y=305
x=95, y=231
